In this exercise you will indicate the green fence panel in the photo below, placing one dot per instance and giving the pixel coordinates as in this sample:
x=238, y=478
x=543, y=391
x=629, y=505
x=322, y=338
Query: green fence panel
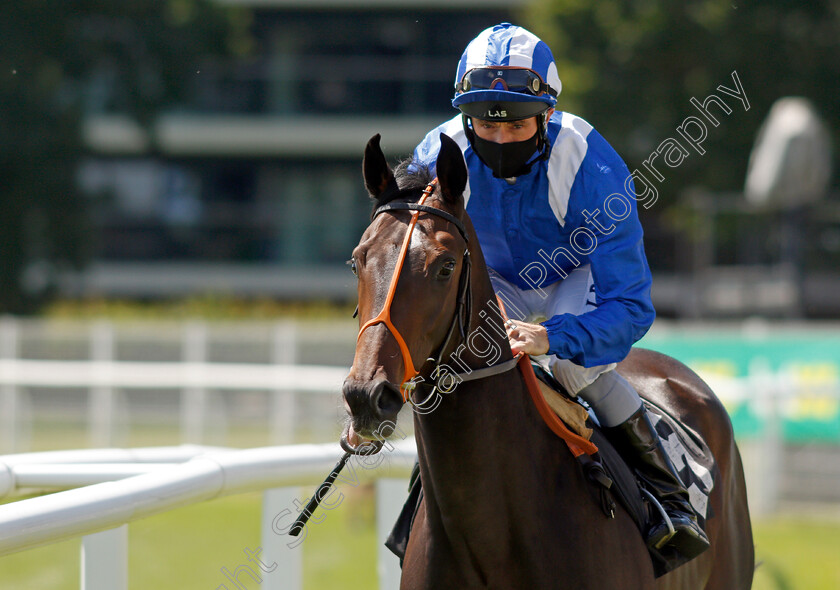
x=801, y=370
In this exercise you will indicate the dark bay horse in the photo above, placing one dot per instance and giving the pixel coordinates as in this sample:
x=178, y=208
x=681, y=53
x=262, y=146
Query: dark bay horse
x=505, y=503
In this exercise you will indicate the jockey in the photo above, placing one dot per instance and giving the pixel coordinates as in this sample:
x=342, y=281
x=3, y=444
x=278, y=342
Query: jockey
x=554, y=208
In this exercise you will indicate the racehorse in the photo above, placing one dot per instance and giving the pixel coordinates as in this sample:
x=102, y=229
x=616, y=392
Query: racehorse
x=505, y=503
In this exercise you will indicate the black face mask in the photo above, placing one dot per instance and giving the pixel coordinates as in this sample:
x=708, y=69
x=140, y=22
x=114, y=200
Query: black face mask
x=506, y=159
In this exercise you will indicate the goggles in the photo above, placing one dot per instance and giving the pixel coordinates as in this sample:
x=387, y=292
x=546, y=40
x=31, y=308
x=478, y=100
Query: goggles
x=511, y=78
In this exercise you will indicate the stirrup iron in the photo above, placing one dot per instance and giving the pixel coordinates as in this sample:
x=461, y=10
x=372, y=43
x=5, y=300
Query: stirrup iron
x=665, y=517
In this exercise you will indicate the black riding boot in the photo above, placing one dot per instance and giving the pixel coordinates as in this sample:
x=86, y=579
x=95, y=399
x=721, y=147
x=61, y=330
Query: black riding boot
x=641, y=446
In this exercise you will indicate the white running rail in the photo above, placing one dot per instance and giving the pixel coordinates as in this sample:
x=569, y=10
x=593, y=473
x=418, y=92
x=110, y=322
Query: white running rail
x=103, y=378
x=176, y=375
x=124, y=485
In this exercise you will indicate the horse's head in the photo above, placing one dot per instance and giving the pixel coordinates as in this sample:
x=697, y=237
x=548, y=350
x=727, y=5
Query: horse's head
x=412, y=265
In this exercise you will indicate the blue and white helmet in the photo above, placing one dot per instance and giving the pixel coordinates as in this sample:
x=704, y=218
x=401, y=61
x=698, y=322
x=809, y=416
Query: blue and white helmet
x=505, y=74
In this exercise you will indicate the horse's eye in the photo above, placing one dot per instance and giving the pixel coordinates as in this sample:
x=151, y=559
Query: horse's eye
x=447, y=269
x=352, y=264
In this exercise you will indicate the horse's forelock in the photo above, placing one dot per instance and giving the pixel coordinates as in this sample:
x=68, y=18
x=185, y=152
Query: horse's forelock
x=411, y=174
x=411, y=178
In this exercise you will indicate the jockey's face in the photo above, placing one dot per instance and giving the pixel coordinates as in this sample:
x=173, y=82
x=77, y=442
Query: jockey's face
x=507, y=131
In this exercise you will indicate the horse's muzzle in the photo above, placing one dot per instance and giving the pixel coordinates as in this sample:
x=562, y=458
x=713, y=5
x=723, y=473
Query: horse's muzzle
x=373, y=406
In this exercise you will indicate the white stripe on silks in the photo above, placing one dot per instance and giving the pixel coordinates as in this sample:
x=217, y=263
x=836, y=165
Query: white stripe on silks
x=521, y=49
x=552, y=78
x=454, y=128
x=477, y=50
x=567, y=155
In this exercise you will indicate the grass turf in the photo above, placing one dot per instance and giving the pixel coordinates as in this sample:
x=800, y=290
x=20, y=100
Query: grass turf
x=186, y=549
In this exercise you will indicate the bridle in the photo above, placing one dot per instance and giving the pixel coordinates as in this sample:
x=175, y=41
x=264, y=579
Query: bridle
x=462, y=305
x=459, y=320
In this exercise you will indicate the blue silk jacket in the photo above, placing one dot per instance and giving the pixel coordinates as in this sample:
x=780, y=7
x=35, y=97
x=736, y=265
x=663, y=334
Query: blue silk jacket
x=574, y=208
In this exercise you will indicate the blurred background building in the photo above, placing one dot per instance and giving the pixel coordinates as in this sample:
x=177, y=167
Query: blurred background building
x=216, y=145
x=252, y=185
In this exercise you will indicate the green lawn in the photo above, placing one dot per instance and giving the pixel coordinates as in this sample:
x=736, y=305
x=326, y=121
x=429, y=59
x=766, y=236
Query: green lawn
x=186, y=549
x=797, y=554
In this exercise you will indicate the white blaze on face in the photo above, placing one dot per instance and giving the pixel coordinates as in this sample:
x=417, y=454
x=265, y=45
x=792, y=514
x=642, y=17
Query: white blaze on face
x=416, y=241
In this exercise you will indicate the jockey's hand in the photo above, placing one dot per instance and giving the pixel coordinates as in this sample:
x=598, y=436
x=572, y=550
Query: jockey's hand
x=531, y=339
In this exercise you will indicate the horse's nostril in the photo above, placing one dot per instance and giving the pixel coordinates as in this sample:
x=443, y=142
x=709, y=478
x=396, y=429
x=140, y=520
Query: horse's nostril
x=386, y=401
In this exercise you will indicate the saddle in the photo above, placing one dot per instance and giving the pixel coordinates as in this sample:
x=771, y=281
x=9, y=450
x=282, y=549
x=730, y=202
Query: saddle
x=615, y=479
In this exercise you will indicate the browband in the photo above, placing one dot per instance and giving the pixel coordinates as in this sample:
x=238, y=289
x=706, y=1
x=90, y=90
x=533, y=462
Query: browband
x=426, y=209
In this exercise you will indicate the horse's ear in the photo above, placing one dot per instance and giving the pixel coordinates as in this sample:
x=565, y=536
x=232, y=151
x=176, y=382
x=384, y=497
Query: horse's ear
x=377, y=173
x=451, y=169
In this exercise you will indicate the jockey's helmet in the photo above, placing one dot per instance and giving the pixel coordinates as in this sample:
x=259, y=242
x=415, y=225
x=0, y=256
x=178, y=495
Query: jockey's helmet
x=506, y=74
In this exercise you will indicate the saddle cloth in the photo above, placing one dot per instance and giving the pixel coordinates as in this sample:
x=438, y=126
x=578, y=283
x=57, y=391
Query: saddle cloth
x=687, y=450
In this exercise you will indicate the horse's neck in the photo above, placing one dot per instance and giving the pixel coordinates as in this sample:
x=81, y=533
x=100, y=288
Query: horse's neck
x=486, y=464
x=484, y=431
x=485, y=456
x=480, y=418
